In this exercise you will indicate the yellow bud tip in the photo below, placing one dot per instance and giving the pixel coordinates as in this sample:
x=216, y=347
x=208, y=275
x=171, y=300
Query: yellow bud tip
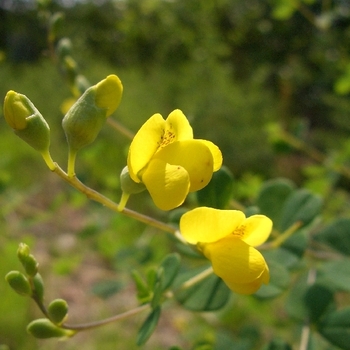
x=16, y=110
x=109, y=93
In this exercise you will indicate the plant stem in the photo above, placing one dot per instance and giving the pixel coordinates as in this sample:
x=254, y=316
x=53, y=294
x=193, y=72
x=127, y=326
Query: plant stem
x=95, y=324
x=98, y=197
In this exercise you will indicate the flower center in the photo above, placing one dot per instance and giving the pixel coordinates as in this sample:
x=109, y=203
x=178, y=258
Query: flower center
x=167, y=138
x=239, y=231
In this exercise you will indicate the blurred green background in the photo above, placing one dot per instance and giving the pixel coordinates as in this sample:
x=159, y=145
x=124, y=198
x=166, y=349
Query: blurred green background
x=233, y=67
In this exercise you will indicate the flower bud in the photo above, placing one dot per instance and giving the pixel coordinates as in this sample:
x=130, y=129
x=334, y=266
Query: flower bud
x=86, y=117
x=38, y=291
x=27, y=122
x=28, y=261
x=58, y=311
x=43, y=328
x=19, y=283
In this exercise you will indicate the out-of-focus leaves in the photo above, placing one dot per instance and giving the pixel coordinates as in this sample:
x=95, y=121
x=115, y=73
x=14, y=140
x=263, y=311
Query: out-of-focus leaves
x=277, y=344
x=318, y=299
x=336, y=235
x=283, y=9
x=272, y=197
x=106, y=289
x=301, y=206
x=281, y=256
x=148, y=326
x=279, y=281
x=170, y=265
x=218, y=192
x=336, y=274
x=335, y=327
x=209, y=294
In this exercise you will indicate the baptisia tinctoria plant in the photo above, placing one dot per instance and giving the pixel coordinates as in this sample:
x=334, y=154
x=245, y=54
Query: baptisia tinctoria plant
x=227, y=238
x=165, y=158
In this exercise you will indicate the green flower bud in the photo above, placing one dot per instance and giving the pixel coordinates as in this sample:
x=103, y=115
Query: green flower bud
x=38, y=291
x=19, y=283
x=27, y=122
x=86, y=117
x=64, y=48
x=128, y=185
x=28, y=261
x=58, y=311
x=55, y=25
x=43, y=328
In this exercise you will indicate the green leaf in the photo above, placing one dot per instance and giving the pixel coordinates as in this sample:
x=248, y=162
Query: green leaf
x=297, y=243
x=209, y=294
x=337, y=274
x=272, y=197
x=218, y=192
x=301, y=205
x=335, y=327
x=317, y=299
x=279, y=281
x=143, y=290
x=277, y=344
x=106, y=289
x=295, y=305
x=283, y=9
x=171, y=266
x=148, y=326
x=336, y=235
x=282, y=256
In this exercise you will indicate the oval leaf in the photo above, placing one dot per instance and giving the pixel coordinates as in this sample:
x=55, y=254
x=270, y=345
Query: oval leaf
x=209, y=294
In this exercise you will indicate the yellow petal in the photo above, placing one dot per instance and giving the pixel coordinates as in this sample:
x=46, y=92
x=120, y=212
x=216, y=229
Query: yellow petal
x=216, y=153
x=167, y=184
x=250, y=288
x=257, y=230
x=235, y=261
x=109, y=93
x=192, y=155
x=178, y=125
x=208, y=225
x=145, y=144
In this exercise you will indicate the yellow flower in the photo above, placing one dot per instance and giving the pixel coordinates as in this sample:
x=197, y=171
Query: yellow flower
x=169, y=162
x=227, y=238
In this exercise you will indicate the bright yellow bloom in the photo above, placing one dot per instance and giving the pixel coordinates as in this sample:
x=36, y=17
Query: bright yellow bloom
x=227, y=238
x=164, y=156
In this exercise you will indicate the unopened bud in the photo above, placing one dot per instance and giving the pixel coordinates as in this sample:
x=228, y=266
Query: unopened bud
x=58, y=311
x=43, y=328
x=26, y=121
x=19, y=283
x=28, y=261
x=38, y=291
x=86, y=117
